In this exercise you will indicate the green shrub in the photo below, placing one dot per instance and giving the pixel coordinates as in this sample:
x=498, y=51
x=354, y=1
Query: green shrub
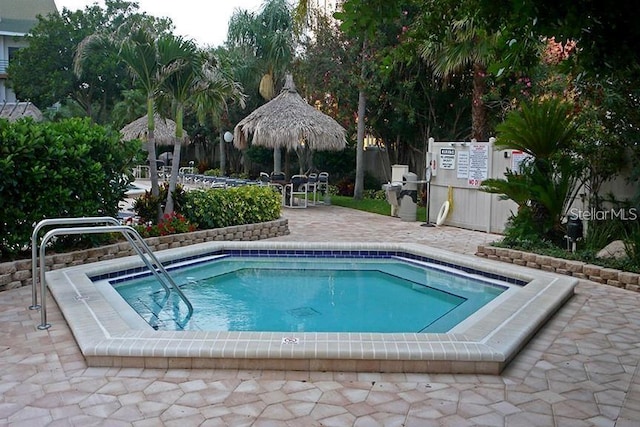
x=147, y=206
x=216, y=208
x=632, y=245
x=374, y=194
x=70, y=168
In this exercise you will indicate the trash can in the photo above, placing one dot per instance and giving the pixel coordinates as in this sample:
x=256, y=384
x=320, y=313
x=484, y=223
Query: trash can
x=408, y=210
x=574, y=228
x=574, y=232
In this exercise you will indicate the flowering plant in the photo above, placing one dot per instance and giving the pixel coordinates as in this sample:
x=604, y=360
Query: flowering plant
x=171, y=223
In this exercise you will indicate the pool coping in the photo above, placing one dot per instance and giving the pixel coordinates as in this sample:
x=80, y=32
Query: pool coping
x=484, y=344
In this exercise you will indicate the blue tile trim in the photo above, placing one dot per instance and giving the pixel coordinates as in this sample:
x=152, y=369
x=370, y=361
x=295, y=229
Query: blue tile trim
x=284, y=253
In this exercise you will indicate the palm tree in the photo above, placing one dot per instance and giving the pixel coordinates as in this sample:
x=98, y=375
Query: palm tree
x=213, y=90
x=466, y=45
x=269, y=37
x=179, y=87
x=140, y=49
x=547, y=184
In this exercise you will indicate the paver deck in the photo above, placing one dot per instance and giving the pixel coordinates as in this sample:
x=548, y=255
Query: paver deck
x=581, y=369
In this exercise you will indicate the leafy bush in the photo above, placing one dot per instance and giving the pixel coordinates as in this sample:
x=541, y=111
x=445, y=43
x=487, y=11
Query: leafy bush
x=70, y=168
x=374, y=194
x=632, y=245
x=545, y=186
x=147, y=206
x=346, y=185
x=216, y=208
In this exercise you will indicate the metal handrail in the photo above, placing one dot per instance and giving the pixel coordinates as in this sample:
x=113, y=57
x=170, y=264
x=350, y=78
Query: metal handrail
x=34, y=245
x=129, y=232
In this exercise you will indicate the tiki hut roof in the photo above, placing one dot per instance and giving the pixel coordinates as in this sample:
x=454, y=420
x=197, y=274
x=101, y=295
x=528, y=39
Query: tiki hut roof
x=289, y=121
x=13, y=111
x=164, y=132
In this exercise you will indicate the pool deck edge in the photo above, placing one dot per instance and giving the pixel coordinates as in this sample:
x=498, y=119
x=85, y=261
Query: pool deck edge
x=484, y=347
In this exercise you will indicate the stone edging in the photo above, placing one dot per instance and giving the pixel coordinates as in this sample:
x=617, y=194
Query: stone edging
x=15, y=274
x=577, y=269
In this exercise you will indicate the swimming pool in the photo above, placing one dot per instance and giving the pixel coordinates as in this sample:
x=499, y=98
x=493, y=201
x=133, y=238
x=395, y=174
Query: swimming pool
x=310, y=293
x=110, y=333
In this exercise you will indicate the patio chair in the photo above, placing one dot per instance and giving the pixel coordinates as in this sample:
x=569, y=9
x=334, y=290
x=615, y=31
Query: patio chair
x=264, y=178
x=322, y=187
x=295, y=192
x=312, y=188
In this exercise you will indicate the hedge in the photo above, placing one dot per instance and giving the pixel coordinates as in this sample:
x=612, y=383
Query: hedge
x=71, y=168
x=217, y=208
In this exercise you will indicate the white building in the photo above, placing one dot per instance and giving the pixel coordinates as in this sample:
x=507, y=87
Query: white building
x=17, y=17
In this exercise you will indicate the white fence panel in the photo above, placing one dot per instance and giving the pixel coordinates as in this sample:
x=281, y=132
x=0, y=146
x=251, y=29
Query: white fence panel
x=457, y=171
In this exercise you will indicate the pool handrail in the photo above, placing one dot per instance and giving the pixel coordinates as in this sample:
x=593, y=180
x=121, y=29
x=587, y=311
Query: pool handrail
x=34, y=245
x=129, y=232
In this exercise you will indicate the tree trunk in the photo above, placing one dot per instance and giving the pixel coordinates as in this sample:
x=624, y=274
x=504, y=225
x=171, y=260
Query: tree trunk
x=478, y=109
x=358, y=188
x=151, y=149
x=175, y=162
x=223, y=154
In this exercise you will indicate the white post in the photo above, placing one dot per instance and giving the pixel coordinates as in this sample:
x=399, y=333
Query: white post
x=277, y=160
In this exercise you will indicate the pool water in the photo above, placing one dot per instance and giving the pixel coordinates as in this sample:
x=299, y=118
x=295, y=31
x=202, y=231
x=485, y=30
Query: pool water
x=312, y=295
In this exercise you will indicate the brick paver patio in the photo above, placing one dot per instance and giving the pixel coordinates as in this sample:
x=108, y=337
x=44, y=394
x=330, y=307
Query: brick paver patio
x=581, y=369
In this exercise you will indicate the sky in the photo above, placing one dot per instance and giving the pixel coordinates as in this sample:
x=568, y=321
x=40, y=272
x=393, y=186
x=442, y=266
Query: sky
x=204, y=21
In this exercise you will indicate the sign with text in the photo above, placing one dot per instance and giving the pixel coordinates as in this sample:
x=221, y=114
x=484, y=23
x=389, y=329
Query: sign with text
x=463, y=165
x=447, y=158
x=517, y=157
x=478, y=163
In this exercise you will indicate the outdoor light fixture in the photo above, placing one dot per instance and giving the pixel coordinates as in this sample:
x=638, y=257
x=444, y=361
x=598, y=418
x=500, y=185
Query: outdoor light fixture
x=228, y=136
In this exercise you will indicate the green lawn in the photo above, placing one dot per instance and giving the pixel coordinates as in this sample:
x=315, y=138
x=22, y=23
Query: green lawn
x=380, y=207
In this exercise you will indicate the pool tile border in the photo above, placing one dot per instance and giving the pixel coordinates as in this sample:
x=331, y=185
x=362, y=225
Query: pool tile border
x=483, y=344
x=285, y=253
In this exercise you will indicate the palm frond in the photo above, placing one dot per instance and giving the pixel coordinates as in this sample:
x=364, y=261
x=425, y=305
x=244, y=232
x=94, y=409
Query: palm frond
x=539, y=129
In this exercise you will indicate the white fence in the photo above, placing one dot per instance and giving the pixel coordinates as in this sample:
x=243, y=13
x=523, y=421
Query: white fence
x=457, y=171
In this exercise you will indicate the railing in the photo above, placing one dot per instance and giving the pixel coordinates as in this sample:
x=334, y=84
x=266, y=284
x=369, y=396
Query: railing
x=34, y=245
x=130, y=234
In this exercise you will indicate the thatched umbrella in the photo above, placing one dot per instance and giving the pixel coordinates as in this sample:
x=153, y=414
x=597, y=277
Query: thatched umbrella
x=13, y=111
x=164, y=132
x=289, y=121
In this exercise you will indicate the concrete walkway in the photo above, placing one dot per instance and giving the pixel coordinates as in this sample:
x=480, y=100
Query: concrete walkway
x=581, y=369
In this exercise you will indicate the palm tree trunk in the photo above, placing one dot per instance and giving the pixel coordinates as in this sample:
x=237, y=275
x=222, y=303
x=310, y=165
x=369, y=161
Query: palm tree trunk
x=358, y=188
x=478, y=108
x=151, y=148
x=175, y=162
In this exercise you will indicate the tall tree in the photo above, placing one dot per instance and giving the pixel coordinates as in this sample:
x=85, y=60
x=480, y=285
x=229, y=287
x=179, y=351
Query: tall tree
x=179, y=86
x=467, y=45
x=361, y=20
x=43, y=71
x=197, y=81
x=216, y=88
x=149, y=57
x=268, y=35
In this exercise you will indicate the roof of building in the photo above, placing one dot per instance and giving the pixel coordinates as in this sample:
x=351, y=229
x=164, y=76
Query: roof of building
x=17, y=17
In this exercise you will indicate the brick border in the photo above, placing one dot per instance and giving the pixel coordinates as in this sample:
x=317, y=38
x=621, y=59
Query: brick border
x=577, y=269
x=15, y=274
